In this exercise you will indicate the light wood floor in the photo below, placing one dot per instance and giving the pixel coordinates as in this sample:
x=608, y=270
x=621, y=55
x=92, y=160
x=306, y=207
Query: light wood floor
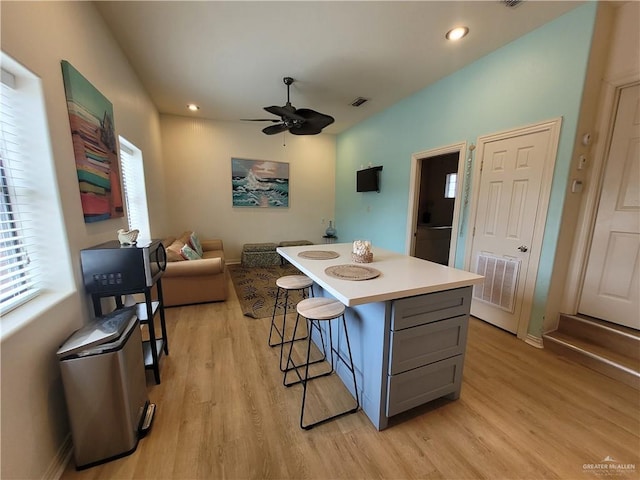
x=222, y=412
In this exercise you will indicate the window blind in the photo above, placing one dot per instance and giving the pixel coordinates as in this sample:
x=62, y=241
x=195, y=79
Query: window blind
x=19, y=272
x=134, y=188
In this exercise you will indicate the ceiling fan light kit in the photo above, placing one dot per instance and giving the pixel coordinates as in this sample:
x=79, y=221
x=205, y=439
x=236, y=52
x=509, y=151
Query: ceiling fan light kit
x=302, y=121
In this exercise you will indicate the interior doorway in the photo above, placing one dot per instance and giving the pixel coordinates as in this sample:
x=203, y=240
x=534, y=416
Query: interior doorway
x=438, y=179
x=611, y=283
x=512, y=185
x=434, y=203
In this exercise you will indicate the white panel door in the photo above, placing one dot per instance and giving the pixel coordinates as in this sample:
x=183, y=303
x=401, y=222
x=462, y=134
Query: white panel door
x=611, y=286
x=507, y=208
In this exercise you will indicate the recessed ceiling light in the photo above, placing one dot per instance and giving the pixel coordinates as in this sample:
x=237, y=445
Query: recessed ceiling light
x=457, y=33
x=193, y=107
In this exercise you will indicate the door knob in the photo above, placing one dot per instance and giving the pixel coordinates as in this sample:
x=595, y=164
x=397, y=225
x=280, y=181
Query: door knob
x=523, y=248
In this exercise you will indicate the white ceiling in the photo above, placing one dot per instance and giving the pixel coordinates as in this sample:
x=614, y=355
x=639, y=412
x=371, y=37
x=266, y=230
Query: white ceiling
x=230, y=57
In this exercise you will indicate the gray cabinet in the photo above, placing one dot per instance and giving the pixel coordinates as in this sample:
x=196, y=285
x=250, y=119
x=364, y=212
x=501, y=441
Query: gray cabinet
x=428, y=336
x=407, y=351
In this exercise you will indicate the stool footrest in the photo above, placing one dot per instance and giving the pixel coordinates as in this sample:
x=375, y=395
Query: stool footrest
x=300, y=380
x=325, y=420
x=285, y=342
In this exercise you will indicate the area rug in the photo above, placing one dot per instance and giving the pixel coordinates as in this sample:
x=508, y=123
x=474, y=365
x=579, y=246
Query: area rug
x=256, y=288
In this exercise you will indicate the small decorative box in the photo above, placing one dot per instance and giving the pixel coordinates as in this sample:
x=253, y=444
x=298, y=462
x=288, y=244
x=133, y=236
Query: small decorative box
x=361, y=252
x=362, y=258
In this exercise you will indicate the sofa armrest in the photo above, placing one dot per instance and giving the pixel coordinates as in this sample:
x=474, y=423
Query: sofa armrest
x=211, y=244
x=190, y=268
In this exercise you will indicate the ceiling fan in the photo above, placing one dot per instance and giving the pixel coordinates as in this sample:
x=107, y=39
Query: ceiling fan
x=301, y=121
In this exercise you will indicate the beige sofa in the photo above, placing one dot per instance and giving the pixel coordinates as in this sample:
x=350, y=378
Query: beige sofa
x=186, y=282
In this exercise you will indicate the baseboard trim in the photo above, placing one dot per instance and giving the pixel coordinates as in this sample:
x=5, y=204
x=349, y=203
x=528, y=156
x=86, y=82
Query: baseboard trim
x=60, y=461
x=534, y=341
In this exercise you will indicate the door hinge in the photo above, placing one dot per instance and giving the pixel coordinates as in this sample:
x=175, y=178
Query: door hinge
x=481, y=164
x=473, y=234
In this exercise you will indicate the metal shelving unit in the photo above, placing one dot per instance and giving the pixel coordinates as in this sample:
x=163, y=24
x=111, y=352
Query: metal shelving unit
x=155, y=346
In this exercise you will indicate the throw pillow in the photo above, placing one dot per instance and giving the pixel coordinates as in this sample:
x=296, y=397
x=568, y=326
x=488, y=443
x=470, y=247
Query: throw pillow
x=184, y=238
x=195, y=243
x=189, y=253
x=173, y=251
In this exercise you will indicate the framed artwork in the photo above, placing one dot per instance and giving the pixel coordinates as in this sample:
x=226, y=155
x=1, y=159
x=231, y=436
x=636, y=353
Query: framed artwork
x=94, y=147
x=259, y=183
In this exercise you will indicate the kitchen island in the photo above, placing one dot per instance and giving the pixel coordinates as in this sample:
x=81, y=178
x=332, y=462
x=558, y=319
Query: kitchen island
x=407, y=326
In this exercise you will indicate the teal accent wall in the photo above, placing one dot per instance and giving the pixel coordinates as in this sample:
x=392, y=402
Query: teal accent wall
x=535, y=78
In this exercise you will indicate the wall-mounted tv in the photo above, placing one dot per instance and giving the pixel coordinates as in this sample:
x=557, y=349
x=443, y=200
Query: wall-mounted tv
x=368, y=180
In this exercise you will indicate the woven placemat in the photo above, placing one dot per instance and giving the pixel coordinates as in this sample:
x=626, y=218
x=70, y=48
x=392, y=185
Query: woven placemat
x=319, y=254
x=352, y=272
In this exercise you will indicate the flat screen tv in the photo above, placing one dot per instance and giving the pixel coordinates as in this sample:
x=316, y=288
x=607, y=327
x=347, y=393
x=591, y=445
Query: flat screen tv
x=368, y=180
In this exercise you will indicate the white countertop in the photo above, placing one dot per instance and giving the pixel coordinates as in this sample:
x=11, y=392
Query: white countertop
x=402, y=276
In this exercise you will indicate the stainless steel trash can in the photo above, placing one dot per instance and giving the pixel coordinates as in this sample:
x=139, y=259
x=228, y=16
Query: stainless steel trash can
x=105, y=387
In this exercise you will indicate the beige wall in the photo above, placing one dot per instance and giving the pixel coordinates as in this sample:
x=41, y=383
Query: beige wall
x=198, y=167
x=614, y=61
x=625, y=42
x=198, y=196
x=39, y=35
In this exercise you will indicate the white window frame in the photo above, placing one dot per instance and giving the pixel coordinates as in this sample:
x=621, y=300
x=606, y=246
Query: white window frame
x=134, y=187
x=48, y=248
x=19, y=272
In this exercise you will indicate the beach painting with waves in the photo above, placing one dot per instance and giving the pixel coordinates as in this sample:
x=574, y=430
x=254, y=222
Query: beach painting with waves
x=259, y=183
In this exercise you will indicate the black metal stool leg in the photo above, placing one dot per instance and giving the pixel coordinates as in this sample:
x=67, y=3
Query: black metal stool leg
x=273, y=320
x=349, y=366
x=291, y=365
x=274, y=326
x=293, y=336
x=284, y=327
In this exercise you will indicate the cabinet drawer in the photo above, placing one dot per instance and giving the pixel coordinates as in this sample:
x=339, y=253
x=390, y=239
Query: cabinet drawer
x=418, y=346
x=419, y=386
x=413, y=311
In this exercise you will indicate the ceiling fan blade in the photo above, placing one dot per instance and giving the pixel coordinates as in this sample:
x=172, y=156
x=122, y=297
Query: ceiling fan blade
x=274, y=120
x=313, y=119
x=305, y=129
x=273, y=129
x=287, y=111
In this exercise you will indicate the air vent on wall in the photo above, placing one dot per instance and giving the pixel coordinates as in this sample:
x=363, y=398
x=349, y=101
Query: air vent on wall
x=511, y=3
x=359, y=101
x=500, y=281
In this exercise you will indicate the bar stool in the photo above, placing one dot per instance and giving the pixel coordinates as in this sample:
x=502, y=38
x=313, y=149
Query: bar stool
x=316, y=310
x=285, y=284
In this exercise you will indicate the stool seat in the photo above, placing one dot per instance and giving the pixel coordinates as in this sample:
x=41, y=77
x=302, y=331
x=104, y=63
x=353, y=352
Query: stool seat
x=294, y=282
x=320, y=308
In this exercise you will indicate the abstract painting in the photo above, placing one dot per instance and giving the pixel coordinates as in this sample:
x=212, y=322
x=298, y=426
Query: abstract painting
x=259, y=183
x=94, y=147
